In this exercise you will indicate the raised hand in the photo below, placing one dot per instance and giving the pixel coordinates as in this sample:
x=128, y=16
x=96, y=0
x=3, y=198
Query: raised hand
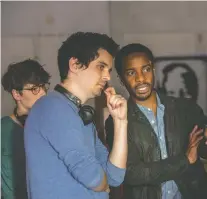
x=194, y=140
x=116, y=104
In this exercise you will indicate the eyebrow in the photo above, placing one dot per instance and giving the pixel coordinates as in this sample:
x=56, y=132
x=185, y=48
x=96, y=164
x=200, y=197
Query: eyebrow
x=102, y=62
x=149, y=64
x=143, y=66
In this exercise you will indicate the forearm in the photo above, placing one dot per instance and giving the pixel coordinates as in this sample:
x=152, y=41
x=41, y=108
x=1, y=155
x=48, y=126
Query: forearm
x=156, y=172
x=115, y=175
x=118, y=155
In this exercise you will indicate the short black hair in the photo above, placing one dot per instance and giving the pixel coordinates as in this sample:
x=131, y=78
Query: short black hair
x=129, y=49
x=84, y=46
x=25, y=72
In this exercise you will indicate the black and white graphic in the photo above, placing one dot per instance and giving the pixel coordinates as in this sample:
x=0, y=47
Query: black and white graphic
x=183, y=77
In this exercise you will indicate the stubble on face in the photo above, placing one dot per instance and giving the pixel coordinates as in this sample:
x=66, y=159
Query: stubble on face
x=138, y=76
x=100, y=70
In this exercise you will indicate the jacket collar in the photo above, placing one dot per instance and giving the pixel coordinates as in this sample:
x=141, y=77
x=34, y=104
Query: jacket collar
x=134, y=110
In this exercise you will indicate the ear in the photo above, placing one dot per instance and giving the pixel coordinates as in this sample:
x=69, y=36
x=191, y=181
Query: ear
x=74, y=65
x=16, y=95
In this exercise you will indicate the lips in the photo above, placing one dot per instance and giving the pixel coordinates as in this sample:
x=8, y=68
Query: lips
x=143, y=88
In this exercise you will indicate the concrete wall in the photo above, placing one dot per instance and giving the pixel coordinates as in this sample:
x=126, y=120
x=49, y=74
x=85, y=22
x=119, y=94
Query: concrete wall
x=36, y=30
x=167, y=28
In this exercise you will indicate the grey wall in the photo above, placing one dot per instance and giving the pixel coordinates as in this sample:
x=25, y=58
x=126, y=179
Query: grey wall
x=168, y=28
x=36, y=30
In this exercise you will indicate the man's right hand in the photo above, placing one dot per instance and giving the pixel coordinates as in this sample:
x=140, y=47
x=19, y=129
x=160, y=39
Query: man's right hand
x=194, y=140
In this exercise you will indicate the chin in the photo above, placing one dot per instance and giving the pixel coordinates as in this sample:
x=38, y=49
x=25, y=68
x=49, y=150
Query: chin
x=96, y=94
x=143, y=97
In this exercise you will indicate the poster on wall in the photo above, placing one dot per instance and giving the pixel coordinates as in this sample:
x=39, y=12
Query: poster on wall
x=183, y=77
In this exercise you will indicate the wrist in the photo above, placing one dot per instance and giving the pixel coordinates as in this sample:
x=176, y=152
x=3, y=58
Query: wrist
x=120, y=120
x=191, y=160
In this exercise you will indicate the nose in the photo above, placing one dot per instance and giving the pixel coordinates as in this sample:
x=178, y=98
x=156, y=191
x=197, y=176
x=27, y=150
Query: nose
x=139, y=78
x=106, y=76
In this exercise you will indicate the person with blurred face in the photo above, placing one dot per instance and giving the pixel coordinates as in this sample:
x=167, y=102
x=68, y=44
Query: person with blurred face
x=70, y=160
x=26, y=81
x=164, y=134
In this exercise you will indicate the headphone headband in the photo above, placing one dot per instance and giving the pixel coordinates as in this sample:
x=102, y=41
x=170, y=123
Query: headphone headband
x=69, y=95
x=86, y=112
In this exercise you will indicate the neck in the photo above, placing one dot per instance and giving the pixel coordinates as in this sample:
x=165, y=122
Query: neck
x=19, y=115
x=12, y=116
x=21, y=110
x=75, y=90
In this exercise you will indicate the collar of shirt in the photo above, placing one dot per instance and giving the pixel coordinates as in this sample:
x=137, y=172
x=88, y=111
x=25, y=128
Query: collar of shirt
x=159, y=105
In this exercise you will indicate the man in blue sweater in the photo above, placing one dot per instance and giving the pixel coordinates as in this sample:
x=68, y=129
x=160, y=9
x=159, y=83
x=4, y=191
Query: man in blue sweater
x=65, y=158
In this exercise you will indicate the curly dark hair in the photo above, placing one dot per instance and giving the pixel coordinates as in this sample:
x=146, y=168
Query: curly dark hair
x=129, y=49
x=25, y=72
x=84, y=46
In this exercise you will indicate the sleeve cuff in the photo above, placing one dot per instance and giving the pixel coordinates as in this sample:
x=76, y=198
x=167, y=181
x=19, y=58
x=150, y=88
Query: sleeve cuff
x=97, y=180
x=115, y=175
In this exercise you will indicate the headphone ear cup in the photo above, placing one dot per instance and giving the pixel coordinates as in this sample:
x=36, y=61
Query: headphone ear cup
x=87, y=114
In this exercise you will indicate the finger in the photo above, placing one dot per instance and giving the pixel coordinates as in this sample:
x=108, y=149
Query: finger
x=118, y=103
x=110, y=90
x=193, y=131
x=196, y=134
x=196, y=142
x=114, y=99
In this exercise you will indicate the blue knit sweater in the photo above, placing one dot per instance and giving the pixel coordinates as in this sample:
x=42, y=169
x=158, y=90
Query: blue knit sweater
x=65, y=159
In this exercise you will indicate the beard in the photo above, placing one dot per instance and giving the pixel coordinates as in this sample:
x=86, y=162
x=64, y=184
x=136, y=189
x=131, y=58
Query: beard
x=141, y=92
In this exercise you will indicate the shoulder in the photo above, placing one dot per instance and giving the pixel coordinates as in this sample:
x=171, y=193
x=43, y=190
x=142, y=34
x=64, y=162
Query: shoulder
x=181, y=103
x=188, y=105
x=53, y=103
x=52, y=100
x=51, y=112
x=6, y=124
x=8, y=130
x=5, y=120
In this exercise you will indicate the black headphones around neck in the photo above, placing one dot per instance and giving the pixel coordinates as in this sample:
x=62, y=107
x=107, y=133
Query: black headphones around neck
x=86, y=112
x=21, y=118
